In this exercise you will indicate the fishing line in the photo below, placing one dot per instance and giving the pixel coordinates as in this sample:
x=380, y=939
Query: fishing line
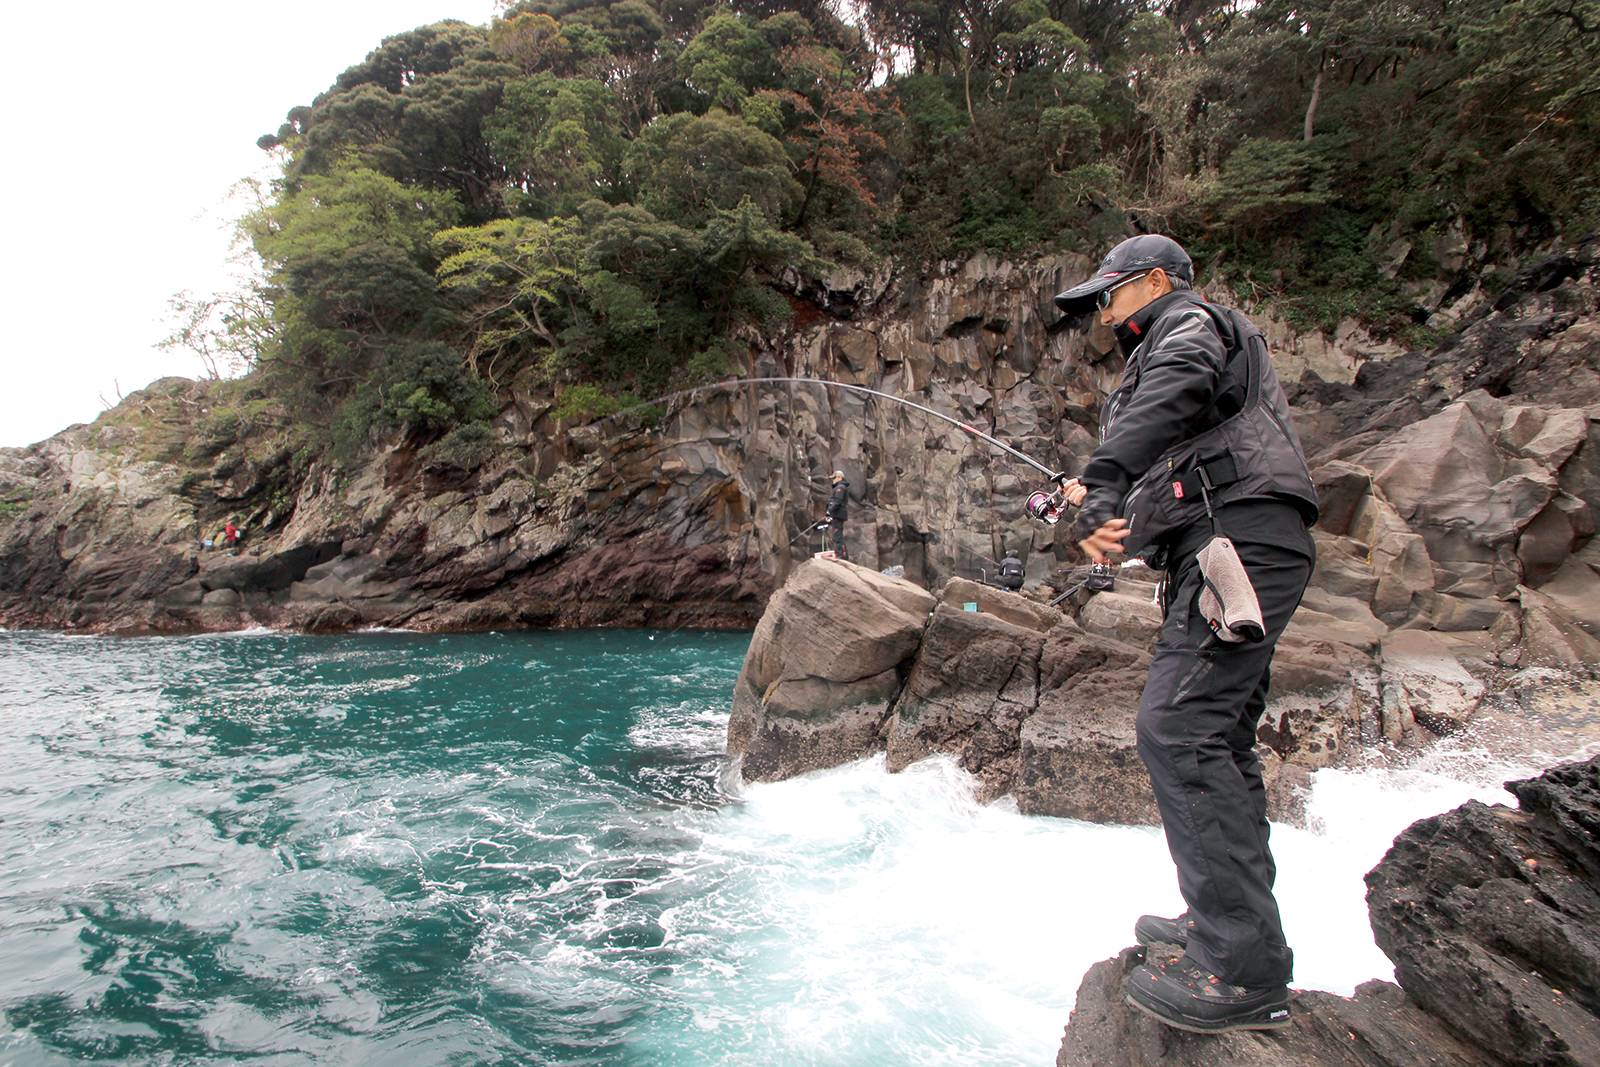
x=1047, y=507
x=732, y=383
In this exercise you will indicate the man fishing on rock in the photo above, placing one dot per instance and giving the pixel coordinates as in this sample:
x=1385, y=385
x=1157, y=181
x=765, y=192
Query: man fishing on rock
x=837, y=511
x=1200, y=471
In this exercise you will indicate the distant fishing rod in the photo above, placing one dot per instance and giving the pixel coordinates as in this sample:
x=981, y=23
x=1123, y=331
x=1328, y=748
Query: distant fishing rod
x=1046, y=507
x=974, y=431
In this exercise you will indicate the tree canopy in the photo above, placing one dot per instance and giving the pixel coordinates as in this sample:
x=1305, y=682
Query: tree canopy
x=607, y=192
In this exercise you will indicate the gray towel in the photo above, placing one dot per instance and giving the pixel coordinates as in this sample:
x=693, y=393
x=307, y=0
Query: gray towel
x=1228, y=601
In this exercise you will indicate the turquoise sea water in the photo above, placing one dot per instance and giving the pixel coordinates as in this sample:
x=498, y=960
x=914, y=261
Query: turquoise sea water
x=526, y=849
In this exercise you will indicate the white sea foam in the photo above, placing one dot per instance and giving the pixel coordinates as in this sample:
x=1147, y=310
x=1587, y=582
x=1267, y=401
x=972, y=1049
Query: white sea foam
x=892, y=915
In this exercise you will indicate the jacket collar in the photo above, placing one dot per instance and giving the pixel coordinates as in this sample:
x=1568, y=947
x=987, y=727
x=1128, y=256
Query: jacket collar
x=1131, y=332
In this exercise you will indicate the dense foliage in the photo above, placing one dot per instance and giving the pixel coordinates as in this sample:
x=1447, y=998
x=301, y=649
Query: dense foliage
x=600, y=193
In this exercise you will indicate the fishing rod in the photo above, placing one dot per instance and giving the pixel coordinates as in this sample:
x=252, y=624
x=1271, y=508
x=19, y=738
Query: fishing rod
x=1046, y=507
x=809, y=529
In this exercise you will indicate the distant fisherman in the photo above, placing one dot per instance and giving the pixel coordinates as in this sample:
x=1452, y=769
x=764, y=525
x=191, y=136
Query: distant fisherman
x=1011, y=571
x=838, y=510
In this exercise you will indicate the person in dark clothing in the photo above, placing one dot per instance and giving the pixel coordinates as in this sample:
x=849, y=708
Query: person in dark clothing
x=1011, y=571
x=837, y=511
x=1172, y=455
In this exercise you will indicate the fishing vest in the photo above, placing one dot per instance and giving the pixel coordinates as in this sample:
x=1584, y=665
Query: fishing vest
x=1251, y=452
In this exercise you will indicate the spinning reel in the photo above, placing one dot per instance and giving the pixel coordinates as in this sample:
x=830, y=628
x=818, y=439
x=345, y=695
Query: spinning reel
x=1047, y=507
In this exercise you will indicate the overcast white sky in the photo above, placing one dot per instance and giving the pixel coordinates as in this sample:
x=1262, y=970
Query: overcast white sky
x=126, y=125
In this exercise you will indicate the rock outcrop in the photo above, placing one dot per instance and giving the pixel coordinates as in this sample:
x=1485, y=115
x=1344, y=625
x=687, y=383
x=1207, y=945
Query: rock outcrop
x=1492, y=918
x=1379, y=1027
x=822, y=669
x=1460, y=485
x=847, y=662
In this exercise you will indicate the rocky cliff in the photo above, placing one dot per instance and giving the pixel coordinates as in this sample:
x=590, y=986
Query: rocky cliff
x=1461, y=482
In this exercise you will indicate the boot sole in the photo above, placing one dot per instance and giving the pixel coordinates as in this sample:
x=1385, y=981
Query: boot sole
x=1262, y=1021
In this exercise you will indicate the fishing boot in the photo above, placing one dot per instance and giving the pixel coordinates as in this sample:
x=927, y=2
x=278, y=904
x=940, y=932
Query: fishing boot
x=1184, y=995
x=1152, y=929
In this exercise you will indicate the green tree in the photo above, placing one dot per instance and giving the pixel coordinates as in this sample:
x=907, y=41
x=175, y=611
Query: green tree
x=558, y=140
x=687, y=167
x=349, y=207
x=511, y=275
x=413, y=111
x=730, y=59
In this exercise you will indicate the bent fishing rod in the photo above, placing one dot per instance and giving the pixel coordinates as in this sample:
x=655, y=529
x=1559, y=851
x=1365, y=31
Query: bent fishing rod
x=1046, y=507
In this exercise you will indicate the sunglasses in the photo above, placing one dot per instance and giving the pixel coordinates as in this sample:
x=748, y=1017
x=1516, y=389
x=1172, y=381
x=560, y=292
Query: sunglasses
x=1103, y=301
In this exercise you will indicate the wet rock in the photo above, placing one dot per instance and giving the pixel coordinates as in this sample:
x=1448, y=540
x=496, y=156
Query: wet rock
x=1080, y=757
x=1323, y=699
x=1550, y=637
x=1492, y=918
x=1424, y=684
x=1047, y=715
x=1379, y=1027
x=1078, y=753
x=975, y=679
x=1575, y=589
x=1453, y=614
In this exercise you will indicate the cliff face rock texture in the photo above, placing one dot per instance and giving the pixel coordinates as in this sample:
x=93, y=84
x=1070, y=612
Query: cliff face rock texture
x=1460, y=485
x=1492, y=918
x=692, y=521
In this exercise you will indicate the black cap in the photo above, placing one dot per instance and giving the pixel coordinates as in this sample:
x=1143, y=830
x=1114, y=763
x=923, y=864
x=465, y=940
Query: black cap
x=1145, y=252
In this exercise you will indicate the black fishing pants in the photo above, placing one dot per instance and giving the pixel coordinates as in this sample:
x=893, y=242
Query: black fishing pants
x=837, y=526
x=1197, y=733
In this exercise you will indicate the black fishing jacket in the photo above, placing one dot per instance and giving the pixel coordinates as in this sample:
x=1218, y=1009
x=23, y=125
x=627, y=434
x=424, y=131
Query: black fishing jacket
x=1188, y=378
x=838, y=503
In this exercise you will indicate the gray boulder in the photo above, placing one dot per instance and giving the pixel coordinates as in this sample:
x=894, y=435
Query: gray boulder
x=847, y=662
x=1078, y=755
x=1122, y=616
x=975, y=680
x=828, y=655
x=1552, y=638
x=1575, y=589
